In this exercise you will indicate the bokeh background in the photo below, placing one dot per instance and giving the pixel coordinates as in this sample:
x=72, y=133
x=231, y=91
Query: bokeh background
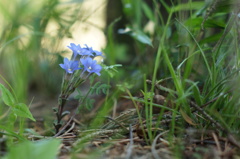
x=34, y=36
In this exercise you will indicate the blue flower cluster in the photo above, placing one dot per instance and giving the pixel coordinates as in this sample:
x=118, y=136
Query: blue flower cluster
x=85, y=62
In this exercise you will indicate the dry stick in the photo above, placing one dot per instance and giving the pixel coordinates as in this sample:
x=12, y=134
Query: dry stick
x=217, y=142
x=154, y=151
x=65, y=126
x=216, y=98
x=115, y=121
x=211, y=101
x=130, y=147
x=230, y=137
x=71, y=128
x=207, y=116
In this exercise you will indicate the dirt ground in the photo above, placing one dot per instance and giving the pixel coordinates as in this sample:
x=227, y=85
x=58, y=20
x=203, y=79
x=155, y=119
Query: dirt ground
x=122, y=135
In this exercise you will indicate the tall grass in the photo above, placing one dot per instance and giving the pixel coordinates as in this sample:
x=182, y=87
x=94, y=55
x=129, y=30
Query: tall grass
x=193, y=44
x=195, y=58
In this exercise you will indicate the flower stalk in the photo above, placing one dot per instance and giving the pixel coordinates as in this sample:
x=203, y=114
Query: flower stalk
x=77, y=70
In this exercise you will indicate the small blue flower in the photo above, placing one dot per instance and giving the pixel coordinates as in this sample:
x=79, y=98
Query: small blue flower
x=97, y=53
x=70, y=66
x=89, y=49
x=75, y=48
x=91, y=65
x=86, y=51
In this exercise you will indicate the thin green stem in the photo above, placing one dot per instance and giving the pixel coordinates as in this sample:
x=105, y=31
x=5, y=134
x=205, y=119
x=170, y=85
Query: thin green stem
x=139, y=114
x=15, y=96
x=201, y=51
x=157, y=62
x=146, y=101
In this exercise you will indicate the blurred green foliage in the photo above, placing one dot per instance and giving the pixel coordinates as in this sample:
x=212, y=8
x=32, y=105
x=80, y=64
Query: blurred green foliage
x=47, y=149
x=29, y=52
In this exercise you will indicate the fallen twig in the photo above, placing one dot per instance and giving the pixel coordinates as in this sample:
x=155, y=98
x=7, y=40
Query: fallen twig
x=198, y=108
x=130, y=147
x=65, y=126
x=154, y=152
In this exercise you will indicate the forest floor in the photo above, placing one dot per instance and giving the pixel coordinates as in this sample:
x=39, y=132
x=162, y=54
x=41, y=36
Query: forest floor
x=122, y=135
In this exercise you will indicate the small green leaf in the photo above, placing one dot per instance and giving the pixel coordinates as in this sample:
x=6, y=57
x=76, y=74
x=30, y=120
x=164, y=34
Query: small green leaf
x=210, y=23
x=124, y=86
x=111, y=70
x=99, y=88
x=136, y=34
x=46, y=149
x=148, y=95
x=55, y=110
x=211, y=38
x=89, y=103
x=94, y=87
x=188, y=6
x=7, y=96
x=141, y=37
x=79, y=94
x=64, y=114
x=22, y=110
x=197, y=95
x=9, y=132
x=102, y=88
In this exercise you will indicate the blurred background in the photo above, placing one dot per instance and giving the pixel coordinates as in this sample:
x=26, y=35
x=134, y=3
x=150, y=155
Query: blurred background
x=34, y=36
